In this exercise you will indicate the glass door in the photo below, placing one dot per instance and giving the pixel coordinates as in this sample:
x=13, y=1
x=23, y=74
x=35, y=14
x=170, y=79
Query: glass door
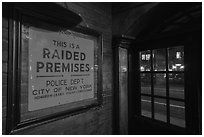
x=162, y=85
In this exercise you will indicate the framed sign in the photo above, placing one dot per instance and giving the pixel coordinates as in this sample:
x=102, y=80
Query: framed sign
x=57, y=73
x=61, y=67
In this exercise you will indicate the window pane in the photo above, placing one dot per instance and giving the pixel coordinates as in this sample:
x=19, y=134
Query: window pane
x=145, y=83
x=176, y=58
x=160, y=109
x=159, y=59
x=145, y=60
x=160, y=84
x=176, y=85
x=146, y=106
x=177, y=113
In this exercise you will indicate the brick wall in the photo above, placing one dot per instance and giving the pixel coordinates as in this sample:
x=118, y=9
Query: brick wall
x=96, y=16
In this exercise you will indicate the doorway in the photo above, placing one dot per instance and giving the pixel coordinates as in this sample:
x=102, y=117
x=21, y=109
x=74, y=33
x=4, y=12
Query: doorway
x=162, y=100
x=162, y=85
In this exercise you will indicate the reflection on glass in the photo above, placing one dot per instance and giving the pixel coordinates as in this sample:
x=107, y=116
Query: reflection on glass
x=145, y=60
x=159, y=59
x=145, y=83
x=176, y=58
x=159, y=84
x=177, y=113
x=176, y=85
x=160, y=109
x=146, y=106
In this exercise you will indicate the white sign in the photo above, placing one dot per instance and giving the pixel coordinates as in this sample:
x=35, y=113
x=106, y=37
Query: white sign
x=61, y=68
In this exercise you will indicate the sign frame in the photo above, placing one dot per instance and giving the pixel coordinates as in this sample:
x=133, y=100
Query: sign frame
x=16, y=14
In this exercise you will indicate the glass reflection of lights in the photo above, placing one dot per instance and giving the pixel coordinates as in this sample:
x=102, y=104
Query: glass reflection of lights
x=142, y=68
x=178, y=55
x=123, y=69
x=33, y=87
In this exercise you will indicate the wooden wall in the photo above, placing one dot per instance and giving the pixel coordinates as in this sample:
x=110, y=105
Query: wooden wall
x=96, y=16
x=4, y=66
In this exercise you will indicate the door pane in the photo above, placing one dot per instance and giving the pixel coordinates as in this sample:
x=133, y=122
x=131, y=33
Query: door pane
x=159, y=59
x=177, y=113
x=161, y=78
x=160, y=109
x=159, y=84
x=176, y=58
x=145, y=60
x=176, y=85
x=146, y=106
x=145, y=83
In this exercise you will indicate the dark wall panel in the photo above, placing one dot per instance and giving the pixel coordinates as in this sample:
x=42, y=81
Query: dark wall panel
x=4, y=67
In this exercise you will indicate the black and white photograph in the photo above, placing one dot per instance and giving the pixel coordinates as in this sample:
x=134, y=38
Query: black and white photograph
x=101, y=68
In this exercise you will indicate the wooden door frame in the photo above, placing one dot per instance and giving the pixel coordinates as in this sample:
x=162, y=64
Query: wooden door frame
x=121, y=41
x=193, y=126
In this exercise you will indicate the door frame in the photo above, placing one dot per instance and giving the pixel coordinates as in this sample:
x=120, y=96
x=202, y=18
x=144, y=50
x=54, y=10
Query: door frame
x=119, y=41
x=193, y=99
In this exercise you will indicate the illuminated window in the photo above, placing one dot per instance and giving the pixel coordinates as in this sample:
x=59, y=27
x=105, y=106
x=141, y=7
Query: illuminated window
x=147, y=56
x=143, y=57
x=162, y=85
x=145, y=60
x=178, y=55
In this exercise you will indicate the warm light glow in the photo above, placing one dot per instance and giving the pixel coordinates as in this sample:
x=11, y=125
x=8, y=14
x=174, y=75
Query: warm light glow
x=177, y=65
x=147, y=56
x=178, y=55
x=142, y=68
x=143, y=56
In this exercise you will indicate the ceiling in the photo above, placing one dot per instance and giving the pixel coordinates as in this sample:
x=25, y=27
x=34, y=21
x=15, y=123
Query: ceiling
x=146, y=19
